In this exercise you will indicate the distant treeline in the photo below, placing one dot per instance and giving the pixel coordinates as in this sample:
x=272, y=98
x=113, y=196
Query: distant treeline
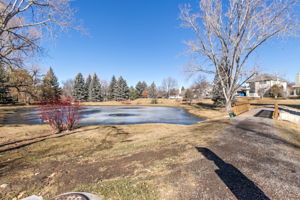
x=92, y=89
x=30, y=86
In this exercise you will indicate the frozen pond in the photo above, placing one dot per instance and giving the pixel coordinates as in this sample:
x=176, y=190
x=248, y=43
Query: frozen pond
x=112, y=115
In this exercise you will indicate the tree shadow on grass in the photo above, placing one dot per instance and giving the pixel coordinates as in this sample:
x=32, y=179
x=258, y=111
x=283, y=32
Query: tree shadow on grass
x=207, y=106
x=29, y=141
x=26, y=142
x=241, y=187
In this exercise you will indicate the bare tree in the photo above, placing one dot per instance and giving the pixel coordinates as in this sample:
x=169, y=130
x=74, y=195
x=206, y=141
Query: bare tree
x=201, y=87
x=228, y=33
x=262, y=91
x=169, y=84
x=68, y=87
x=24, y=22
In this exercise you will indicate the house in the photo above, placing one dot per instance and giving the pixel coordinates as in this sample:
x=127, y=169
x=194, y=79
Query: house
x=296, y=87
x=260, y=85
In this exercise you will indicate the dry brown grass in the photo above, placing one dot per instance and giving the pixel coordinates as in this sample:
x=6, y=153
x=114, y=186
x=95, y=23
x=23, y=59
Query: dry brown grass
x=289, y=131
x=20, y=134
x=101, y=159
x=268, y=100
x=107, y=160
x=141, y=102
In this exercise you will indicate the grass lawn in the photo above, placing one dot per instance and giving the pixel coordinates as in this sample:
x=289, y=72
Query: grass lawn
x=113, y=161
x=117, y=162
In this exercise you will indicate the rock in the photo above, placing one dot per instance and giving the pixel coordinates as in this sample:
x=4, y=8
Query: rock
x=3, y=186
x=52, y=175
x=21, y=195
x=77, y=196
x=34, y=197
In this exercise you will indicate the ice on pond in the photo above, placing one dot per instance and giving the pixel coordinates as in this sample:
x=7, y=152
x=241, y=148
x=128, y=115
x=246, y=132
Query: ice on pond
x=96, y=115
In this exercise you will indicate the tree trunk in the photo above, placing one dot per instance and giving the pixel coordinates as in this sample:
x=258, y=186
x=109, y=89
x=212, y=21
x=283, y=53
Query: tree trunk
x=228, y=106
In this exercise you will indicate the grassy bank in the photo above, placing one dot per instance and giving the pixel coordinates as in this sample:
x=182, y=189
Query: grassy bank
x=268, y=100
x=118, y=162
x=114, y=161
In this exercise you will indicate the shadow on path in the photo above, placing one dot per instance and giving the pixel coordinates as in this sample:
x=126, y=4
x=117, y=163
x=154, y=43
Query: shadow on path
x=241, y=187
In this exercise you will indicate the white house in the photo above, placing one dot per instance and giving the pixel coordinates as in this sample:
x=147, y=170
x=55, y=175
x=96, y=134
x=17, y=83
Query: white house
x=261, y=84
x=296, y=87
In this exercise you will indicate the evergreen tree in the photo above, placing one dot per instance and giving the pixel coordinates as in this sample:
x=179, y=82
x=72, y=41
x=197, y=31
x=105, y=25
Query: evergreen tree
x=133, y=93
x=50, y=87
x=87, y=87
x=104, y=90
x=4, y=89
x=152, y=91
x=217, y=93
x=121, y=91
x=140, y=87
x=95, y=90
x=79, y=91
x=111, y=88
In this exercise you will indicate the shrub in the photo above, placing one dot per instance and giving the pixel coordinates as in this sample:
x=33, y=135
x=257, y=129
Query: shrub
x=61, y=114
x=276, y=91
x=154, y=101
x=188, y=96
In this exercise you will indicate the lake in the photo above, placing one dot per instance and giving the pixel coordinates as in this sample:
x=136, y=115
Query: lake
x=113, y=115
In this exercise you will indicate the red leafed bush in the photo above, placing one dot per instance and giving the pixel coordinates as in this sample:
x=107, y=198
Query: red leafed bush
x=61, y=114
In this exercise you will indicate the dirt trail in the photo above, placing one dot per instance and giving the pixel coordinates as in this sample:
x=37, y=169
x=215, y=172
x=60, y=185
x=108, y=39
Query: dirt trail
x=250, y=161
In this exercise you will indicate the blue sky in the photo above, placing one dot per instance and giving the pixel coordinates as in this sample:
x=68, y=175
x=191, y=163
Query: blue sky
x=143, y=40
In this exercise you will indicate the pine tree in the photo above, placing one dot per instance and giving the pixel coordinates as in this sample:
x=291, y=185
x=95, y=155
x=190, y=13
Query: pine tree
x=79, y=91
x=111, y=88
x=87, y=87
x=50, y=87
x=4, y=89
x=152, y=91
x=121, y=91
x=217, y=93
x=140, y=87
x=95, y=90
x=133, y=93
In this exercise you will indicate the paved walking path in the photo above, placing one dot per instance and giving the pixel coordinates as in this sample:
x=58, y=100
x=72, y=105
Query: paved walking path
x=250, y=161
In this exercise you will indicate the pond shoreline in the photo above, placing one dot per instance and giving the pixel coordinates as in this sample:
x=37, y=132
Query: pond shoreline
x=113, y=115
x=194, y=109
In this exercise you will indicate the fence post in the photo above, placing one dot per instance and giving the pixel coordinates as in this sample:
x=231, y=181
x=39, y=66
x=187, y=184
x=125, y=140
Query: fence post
x=276, y=111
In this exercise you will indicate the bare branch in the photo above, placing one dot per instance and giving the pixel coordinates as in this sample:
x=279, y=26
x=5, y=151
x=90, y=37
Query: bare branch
x=24, y=23
x=228, y=34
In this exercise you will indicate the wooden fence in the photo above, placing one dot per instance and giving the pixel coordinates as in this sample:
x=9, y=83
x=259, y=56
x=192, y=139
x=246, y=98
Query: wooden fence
x=244, y=106
x=241, y=107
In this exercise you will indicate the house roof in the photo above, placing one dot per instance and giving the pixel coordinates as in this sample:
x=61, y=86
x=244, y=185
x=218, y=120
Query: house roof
x=265, y=77
x=296, y=86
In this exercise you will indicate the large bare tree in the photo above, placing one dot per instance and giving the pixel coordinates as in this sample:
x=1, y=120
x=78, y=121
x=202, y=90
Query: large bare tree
x=227, y=33
x=24, y=22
